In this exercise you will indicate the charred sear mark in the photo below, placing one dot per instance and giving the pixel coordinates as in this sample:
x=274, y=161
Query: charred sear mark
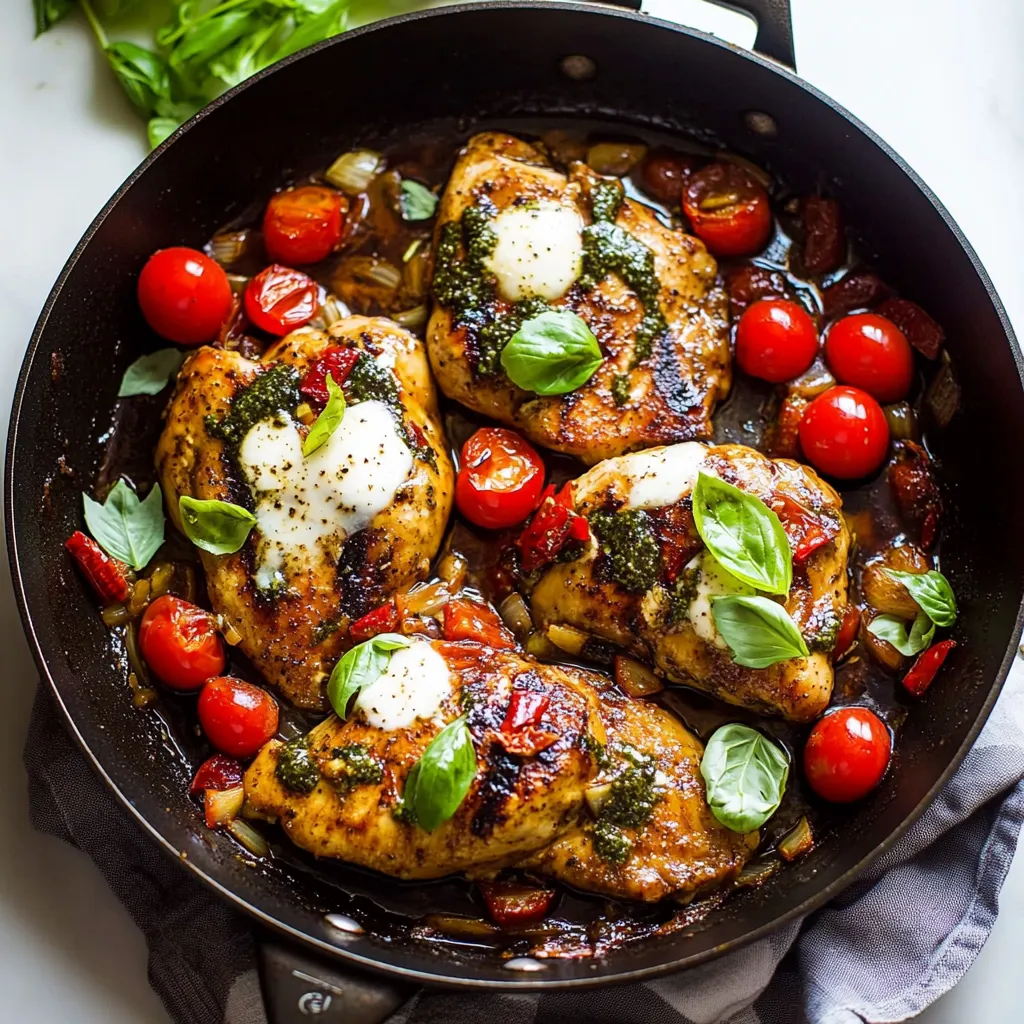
x=671, y=379
x=495, y=788
x=358, y=577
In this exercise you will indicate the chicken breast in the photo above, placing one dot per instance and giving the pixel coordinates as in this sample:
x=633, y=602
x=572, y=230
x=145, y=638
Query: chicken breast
x=528, y=803
x=646, y=584
x=515, y=238
x=338, y=532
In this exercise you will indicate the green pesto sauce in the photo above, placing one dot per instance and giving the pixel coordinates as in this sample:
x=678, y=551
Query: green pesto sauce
x=620, y=388
x=597, y=750
x=358, y=766
x=633, y=797
x=606, y=200
x=493, y=338
x=627, y=539
x=824, y=633
x=681, y=595
x=610, y=843
x=275, y=391
x=464, y=284
x=322, y=630
x=296, y=770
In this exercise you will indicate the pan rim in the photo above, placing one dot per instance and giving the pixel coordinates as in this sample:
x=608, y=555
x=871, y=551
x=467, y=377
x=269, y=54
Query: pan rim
x=338, y=953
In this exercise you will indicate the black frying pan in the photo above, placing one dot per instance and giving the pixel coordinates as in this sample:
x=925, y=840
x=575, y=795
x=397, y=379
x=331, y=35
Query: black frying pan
x=497, y=64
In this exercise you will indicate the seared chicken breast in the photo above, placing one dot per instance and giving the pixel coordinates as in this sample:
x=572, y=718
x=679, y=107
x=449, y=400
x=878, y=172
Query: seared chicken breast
x=645, y=582
x=338, y=531
x=603, y=792
x=515, y=238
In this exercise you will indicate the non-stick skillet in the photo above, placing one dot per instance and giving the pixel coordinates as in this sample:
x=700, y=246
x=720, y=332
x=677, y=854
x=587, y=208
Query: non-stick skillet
x=499, y=64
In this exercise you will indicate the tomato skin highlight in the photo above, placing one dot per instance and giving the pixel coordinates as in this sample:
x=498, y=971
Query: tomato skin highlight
x=510, y=905
x=847, y=754
x=337, y=360
x=302, y=225
x=870, y=352
x=384, y=619
x=237, y=717
x=776, y=340
x=184, y=295
x=219, y=772
x=180, y=643
x=500, y=479
x=728, y=210
x=279, y=299
x=470, y=620
x=844, y=433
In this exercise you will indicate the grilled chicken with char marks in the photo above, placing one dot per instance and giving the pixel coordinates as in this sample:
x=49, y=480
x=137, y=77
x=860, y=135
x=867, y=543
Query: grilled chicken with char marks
x=645, y=581
x=512, y=240
x=338, y=531
x=528, y=805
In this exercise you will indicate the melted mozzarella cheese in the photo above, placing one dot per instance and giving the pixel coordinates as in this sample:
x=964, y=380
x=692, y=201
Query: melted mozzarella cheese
x=662, y=476
x=712, y=582
x=539, y=250
x=306, y=503
x=415, y=685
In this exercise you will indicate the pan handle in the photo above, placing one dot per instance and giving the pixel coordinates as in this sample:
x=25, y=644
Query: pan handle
x=300, y=990
x=774, y=25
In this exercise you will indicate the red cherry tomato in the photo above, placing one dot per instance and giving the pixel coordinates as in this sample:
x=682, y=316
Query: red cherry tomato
x=303, y=225
x=218, y=772
x=728, y=210
x=180, y=644
x=872, y=353
x=237, y=717
x=184, y=295
x=279, y=299
x=664, y=172
x=844, y=433
x=776, y=340
x=846, y=754
x=500, y=479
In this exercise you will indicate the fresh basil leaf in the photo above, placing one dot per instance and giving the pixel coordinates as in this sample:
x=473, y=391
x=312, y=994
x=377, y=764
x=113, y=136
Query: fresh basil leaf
x=757, y=630
x=49, y=12
x=159, y=128
x=745, y=774
x=360, y=667
x=417, y=202
x=894, y=631
x=552, y=354
x=332, y=20
x=327, y=422
x=143, y=76
x=212, y=33
x=149, y=375
x=441, y=778
x=931, y=590
x=126, y=528
x=244, y=58
x=215, y=526
x=744, y=534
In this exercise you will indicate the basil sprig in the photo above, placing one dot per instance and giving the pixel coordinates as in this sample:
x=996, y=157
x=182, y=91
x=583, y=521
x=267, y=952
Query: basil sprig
x=361, y=667
x=149, y=375
x=327, y=422
x=551, y=354
x=441, y=778
x=215, y=526
x=744, y=534
x=125, y=527
x=758, y=630
x=745, y=774
x=931, y=590
x=894, y=631
x=416, y=201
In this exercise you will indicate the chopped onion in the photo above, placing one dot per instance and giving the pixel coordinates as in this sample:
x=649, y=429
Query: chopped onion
x=636, y=679
x=142, y=696
x=228, y=247
x=352, y=172
x=332, y=309
x=414, y=275
x=597, y=796
x=304, y=414
x=237, y=282
x=539, y=646
x=424, y=599
x=223, y=805
x=461, y=927
x=943, y=394
x=797, y=842
x=902, y=422
x=248, y=837
x=516, y=615
x=411, y=249
x=160, y=579
x=615, y=158
x=139, y=598
x=115, y=615
x=755, y=874
x=412, y=318
x=131, y=646
x=452, y=569
x=568, y=638
x=227, y=630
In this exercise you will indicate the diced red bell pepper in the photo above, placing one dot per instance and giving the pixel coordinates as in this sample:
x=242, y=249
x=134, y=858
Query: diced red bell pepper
x=526, y=742
x=859, y=290
x=806, y=531
x=217, y=772
x=923, y=671
x=381, y=620
x=824, y=237
x=337, y=360
x=554, y=524
x=921, y=330
x=511, y=906
x=848, y=630
x=471, y=620
x=107, y=576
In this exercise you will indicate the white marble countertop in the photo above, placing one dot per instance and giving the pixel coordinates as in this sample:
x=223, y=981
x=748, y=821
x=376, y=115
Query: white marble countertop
x=941, y=80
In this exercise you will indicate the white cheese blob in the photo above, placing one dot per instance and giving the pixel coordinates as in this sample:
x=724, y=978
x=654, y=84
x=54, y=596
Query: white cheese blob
x=712, y=582
x=539, y=250
x=662, y=476
x=415, y=685
x=306, y=506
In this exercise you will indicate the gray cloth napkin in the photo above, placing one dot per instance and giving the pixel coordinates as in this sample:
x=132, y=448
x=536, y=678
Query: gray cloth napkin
x=883, y=951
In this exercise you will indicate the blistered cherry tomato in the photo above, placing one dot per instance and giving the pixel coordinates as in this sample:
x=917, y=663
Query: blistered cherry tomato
x=303, y=225
x=872, y=353
x=180, y=644
x=500, y=478
x=279, y=299
x=844, y=433
x=728, y=209
x=663, y=173
x=218, y=772
x=776, y=340
x=846, y=754
x=184, y=295
x=237, y=717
